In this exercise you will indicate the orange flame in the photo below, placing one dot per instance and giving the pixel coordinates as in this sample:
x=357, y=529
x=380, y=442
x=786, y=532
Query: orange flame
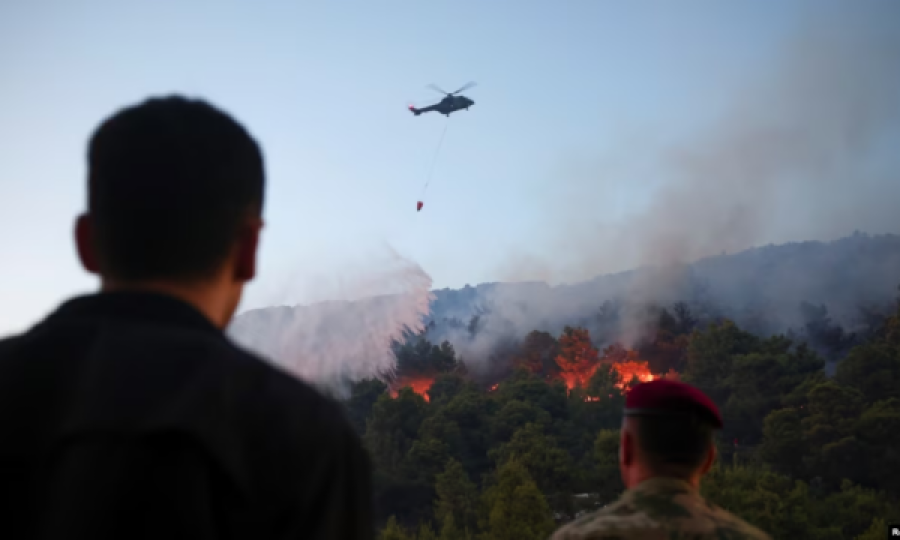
x=419, y=385
x=578, y=378
x=632, y=368
x=627, y=370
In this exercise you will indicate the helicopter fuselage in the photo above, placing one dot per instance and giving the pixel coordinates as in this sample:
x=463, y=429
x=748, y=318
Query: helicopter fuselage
x=446, y=106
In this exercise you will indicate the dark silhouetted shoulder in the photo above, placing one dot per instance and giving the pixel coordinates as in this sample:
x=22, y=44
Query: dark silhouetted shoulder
x=132, y=408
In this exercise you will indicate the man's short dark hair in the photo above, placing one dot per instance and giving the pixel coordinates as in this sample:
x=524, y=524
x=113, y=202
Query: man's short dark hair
x=675, y=443
x=170, y=182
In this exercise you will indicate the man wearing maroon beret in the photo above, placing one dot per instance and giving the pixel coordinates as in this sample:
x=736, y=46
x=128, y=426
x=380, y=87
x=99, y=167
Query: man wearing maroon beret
x=666, y=448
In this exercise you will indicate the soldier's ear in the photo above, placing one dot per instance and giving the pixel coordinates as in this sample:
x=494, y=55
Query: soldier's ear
x=710, y=459
x=626, y=449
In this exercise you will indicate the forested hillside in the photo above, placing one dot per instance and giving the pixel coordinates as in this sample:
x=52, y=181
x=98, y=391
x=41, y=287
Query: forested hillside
x=826, y=293
x=500, y=420
x=767, y=289
x=517, y=449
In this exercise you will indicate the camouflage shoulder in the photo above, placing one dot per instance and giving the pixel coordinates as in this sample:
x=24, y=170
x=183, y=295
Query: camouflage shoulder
x=730, y=526
x=618, y=521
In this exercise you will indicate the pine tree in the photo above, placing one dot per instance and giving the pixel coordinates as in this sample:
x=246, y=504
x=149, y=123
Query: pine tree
x=393, y=531
x=516, y=509
x=449, y=531
x=457, y=497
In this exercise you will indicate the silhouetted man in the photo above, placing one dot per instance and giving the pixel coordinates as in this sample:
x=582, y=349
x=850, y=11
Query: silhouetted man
x=666, y=447
x=128, y=413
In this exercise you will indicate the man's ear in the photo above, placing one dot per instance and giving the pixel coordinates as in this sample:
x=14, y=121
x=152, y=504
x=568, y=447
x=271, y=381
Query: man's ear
x=247, y=247
x=84, y=243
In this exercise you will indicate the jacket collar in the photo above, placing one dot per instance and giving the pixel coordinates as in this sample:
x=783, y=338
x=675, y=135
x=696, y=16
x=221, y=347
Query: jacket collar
x=146, y=307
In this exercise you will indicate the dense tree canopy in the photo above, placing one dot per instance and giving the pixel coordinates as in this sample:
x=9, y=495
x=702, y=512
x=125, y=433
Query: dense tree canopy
x=517, y=451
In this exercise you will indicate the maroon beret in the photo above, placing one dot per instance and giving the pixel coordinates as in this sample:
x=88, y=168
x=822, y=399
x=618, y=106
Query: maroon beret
x=670, y=397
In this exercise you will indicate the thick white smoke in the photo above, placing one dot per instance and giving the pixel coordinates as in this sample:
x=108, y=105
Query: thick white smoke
x=331, y=342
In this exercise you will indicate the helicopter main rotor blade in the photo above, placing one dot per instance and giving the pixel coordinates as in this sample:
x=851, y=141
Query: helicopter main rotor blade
x=435, y=87
x=465, y=87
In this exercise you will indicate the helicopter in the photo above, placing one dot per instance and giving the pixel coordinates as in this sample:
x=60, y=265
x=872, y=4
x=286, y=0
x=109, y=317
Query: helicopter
x=449, y=104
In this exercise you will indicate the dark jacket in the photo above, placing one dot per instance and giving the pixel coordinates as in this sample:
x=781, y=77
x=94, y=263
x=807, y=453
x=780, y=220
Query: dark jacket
x=129, y=415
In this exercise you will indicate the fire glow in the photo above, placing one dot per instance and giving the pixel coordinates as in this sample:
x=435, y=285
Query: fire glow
x=627, y=371
x=419, y=385
x=631, y=369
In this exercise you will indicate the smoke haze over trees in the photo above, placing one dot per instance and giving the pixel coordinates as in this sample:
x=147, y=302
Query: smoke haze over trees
x=350, y=338
x=822, y=292
x=514, y=454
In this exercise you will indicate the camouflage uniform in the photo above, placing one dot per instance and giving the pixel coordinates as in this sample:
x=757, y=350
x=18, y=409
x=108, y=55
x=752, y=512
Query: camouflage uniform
x=660, y=509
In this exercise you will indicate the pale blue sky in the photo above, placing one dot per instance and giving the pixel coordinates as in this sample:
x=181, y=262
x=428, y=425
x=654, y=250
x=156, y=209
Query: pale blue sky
x=324, y=86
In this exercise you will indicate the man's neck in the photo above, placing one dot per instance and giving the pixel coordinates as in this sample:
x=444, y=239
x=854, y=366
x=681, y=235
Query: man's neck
x=202, y=296
x=644, y=475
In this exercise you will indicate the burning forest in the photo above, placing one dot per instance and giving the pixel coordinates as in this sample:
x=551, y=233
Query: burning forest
x=552, y=405
x=572, y=359
x=419, y=384
x=593, y=359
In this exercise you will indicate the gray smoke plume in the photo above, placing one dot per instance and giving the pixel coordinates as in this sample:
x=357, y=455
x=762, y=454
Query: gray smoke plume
x=329, y=343
x=793, y=156
x=808, y=149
